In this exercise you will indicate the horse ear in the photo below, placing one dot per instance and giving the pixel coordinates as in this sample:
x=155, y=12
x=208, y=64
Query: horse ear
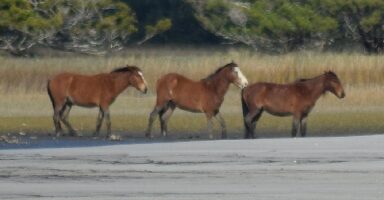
x=233, y=63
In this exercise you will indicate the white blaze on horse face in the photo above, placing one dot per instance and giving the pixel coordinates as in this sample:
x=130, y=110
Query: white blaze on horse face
x=142, y=77
x=144, y=85
x=243, y=81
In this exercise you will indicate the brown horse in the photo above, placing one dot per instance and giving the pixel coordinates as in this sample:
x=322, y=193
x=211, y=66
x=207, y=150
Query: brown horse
x=295, y=99
x=204, y=96
x=99, y=90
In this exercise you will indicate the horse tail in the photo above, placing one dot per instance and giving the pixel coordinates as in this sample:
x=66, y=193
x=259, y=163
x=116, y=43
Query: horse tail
x=244, y=104
x=50, y=94
x=245, y=113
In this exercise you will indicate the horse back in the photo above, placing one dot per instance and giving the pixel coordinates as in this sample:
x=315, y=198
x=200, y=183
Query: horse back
x=280, y=99
x=187, y=94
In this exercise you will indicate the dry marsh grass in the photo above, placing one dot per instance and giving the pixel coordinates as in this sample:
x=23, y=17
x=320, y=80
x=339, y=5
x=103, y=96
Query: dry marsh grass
x=30, y=74
x=26, y=107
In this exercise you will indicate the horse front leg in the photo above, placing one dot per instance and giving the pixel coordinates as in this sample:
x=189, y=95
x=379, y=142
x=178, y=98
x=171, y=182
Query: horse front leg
x=209, y=125
x=222, y=124
x=303, y=126
x=108, y=123
x=99, y=122
x=295, y=126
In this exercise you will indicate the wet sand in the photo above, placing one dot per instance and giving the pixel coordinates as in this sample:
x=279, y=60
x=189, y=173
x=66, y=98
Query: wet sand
x=281, y=168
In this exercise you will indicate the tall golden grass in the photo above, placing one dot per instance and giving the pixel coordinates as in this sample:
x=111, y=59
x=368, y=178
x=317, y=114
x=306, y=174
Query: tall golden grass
x=24, y=100
x=30, y=74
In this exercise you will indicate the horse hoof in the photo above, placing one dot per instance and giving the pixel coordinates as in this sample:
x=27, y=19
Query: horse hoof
x=164, y=134
x=148, y=135
x=73, y=134
x=114, y=137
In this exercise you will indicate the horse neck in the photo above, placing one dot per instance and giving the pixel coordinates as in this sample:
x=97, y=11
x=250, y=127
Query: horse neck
x=120, y=82
x=316, y=86
x=218, y=84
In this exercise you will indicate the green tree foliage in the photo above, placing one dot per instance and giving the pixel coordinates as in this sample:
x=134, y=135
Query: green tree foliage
x=90, y=26
x=280, y=25
x=284, y=25
x=184, y=26
x=359, y=20
x=101, y=26
x=160, y=27
x=94, y=26
x=22, y=25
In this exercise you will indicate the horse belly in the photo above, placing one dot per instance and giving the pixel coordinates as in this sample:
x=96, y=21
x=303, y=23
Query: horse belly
x=190, y=109
x=84, y=96
x=188, y=99
x=189, y=104
x=278, y=113
x=86, y=104
x=278, y=110
x=83, y=102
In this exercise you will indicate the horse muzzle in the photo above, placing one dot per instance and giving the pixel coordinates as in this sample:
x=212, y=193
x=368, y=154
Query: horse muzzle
x=142, y=88
x=342, y=95
x=145, y=90
x=242, y=85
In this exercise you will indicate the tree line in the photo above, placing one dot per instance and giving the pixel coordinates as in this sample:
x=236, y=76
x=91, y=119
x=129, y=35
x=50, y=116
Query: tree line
x=103, y=26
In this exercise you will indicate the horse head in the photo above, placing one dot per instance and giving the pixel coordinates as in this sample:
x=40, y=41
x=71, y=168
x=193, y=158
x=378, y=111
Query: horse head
x=137, y=80
x=236, y=76
x=333, y=84
x=135, y=77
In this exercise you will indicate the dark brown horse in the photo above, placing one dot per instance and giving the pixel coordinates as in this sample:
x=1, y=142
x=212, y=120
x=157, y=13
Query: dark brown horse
x=295, y=99
x=99, y=90
x=204, y=96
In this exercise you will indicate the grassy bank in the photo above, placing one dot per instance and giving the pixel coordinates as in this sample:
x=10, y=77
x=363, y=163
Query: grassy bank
x=184, y=125
x=25, y=107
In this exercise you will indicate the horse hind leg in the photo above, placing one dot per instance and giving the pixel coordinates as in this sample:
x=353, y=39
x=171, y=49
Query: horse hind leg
x=58, y=110
x=250, y=121
x=303, y=126
x=160, y=107
x=152, y=117
x=164, y=116
x=56, y=122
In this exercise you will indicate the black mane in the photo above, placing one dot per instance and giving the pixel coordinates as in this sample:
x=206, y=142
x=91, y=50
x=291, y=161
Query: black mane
x=232, y=64
x=327, y=73
x=331, y=73
x=302, y=80
x=125, y=69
